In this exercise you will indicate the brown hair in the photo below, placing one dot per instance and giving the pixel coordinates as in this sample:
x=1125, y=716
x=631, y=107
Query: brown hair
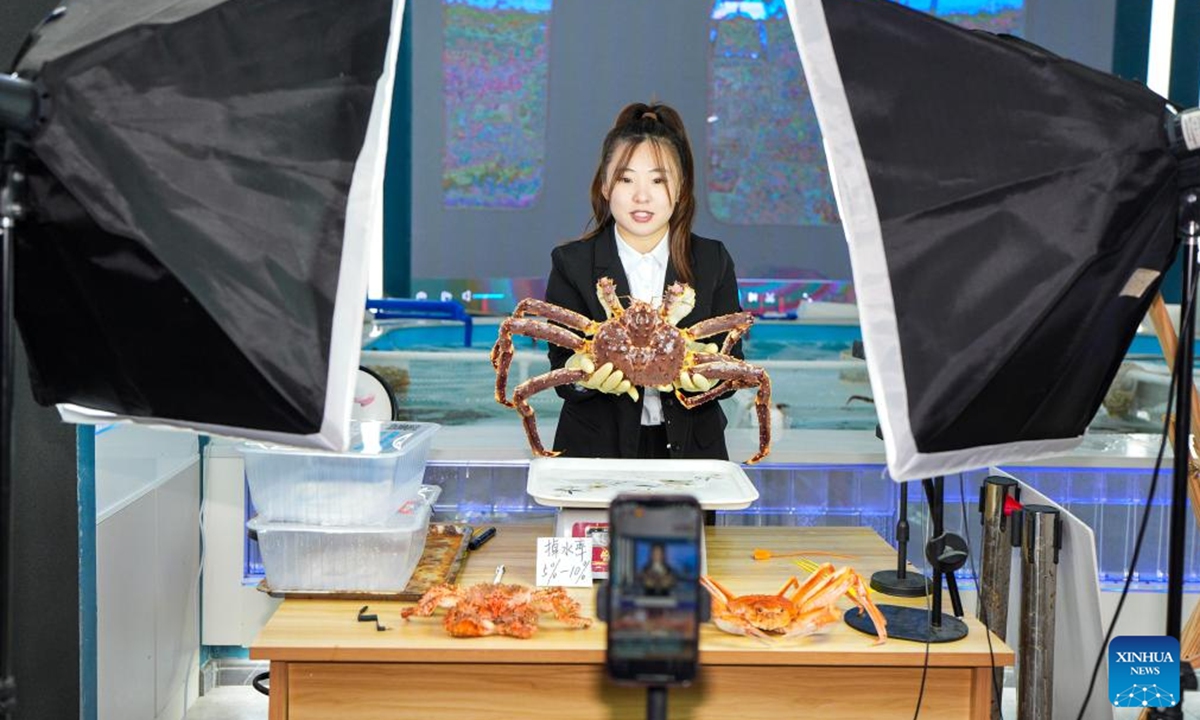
x=661, y=126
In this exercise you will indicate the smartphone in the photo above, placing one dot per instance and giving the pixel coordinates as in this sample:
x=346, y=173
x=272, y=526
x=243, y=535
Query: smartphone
x=654, y=593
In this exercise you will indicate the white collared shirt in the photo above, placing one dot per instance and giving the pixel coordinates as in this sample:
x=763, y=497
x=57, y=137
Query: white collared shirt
x=647, y=274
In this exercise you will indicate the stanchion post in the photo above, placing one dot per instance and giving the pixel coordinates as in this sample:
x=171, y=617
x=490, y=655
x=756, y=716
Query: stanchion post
x=995, y=570
x=1041, y=539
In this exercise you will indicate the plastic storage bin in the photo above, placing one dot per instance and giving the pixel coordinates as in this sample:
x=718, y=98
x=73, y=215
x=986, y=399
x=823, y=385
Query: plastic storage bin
x=362, y=486
x=375, y=558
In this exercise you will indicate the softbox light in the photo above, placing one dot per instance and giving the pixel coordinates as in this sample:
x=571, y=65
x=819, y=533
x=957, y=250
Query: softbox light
x=1009, y=215
x=202, y=188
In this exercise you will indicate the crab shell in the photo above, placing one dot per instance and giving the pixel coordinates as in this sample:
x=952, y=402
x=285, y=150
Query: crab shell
x=765, y=612
x=646, y=349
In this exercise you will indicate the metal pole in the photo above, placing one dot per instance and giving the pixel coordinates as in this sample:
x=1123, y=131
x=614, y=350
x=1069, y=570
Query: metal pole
x=934, y=493
x=900, y=582
x=11, y=183
x=1041, y=539
x=996, y=568
x=18, y=119
x=1189, y=228
x=902, y=535
x=656, y=703
x=8, y=686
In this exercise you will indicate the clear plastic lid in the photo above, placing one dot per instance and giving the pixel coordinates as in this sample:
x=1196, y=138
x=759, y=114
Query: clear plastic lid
x=412, y=514
x=367, y=438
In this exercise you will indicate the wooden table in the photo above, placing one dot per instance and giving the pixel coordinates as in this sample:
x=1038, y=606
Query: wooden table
x=325, y=664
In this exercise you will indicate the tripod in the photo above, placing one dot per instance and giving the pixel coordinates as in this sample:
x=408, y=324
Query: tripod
x=946, y=553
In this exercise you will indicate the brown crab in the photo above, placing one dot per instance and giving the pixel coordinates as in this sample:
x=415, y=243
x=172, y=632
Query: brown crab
x=642, y=342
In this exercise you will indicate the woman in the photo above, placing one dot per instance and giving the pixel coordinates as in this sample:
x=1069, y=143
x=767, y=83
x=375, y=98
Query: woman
x=641, y=237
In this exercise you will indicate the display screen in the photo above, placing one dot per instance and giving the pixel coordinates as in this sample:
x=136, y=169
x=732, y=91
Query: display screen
x=495, y=72
x=655, y=592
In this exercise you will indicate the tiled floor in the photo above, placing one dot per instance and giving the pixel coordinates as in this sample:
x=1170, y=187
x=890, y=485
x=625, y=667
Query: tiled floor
x=230, y=702
x=242, y=702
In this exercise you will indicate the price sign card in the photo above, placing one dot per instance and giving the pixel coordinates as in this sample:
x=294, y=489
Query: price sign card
x=564, y=562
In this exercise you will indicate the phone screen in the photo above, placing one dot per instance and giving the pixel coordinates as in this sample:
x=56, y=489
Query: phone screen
x=655, y=595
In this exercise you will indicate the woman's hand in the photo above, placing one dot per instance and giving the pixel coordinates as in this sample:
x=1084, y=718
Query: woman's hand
x=695, y=382
x=603, y=378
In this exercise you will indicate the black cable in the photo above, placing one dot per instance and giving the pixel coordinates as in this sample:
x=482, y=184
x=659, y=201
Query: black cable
x=962, y=496
x=1188, y=312
x=928, y=618
x=1137, y=549
x=261, y=683
x=924, y=666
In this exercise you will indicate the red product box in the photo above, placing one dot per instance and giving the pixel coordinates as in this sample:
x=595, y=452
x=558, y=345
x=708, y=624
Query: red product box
x=598, y=532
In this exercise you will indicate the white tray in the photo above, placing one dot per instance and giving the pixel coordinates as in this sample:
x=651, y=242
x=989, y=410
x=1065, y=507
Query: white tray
x=594, y=482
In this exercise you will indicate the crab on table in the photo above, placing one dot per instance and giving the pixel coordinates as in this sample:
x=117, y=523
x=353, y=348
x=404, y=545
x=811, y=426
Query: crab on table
x=810, y=606
x=497, y=609
x=643, y=342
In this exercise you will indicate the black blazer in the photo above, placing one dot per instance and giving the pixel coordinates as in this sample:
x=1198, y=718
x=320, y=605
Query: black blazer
x=596, y=424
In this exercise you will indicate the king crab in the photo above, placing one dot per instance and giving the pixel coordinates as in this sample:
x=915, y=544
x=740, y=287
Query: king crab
x=641, y=341
x=487, y=609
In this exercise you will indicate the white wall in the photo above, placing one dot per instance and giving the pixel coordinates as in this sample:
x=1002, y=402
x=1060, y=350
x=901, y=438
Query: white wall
x=147, y=568
x=234, y=611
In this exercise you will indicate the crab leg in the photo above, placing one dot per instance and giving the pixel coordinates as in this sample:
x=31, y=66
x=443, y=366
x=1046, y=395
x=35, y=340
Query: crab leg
x=717, y=591
x=862, y=598
x=443, y=595
x=560, y=315
x=502, y=351
x=808, y=592
x=825, y=586
x=564, y=607
x=736, y=324
x=737, y=375
x=791, y=583
x=678, y=302
x=606, y=292
x=532, y=386
x=810, y=621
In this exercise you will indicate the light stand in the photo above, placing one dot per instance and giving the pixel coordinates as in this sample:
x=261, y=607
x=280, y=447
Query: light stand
x=946, y=553
x=1189, y=232
x=18, y=117
x=900, y=582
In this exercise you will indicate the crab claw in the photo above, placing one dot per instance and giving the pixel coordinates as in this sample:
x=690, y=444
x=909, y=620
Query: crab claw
x=606, y=293
x=678, y=303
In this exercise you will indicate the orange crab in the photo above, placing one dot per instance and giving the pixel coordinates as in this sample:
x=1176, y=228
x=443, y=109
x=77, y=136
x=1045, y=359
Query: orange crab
x=643, y=342
x=500, y=609
x=810, y=607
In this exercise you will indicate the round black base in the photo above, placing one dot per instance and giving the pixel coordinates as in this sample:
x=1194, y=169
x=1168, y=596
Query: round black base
x=909, y=623
x=912, y=584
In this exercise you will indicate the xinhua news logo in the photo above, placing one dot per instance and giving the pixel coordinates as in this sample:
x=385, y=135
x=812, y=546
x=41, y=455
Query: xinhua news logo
x=1143, y=671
